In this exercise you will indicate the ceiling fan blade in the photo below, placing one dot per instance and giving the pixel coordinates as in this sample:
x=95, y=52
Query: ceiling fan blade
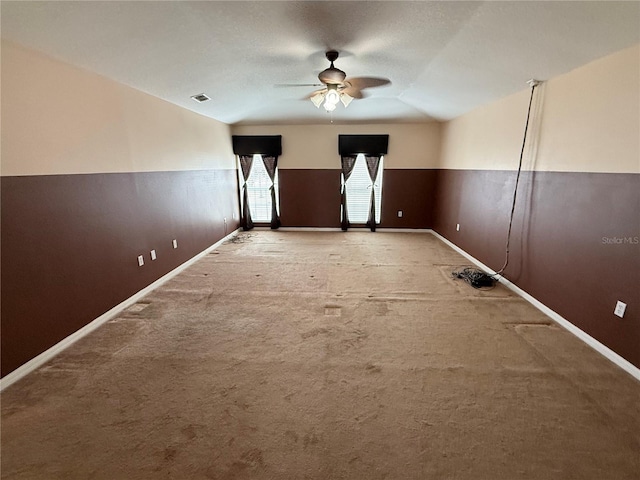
x=360, y=83
x=352, y=91
x=279, y=85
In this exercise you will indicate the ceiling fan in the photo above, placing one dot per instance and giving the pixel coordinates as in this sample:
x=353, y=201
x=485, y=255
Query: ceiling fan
x=339, y=88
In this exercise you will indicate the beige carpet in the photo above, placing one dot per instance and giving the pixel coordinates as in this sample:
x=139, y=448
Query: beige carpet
x=292, y=355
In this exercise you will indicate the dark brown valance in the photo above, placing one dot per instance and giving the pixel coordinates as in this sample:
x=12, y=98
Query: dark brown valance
x=270, y=145
x=367, y=144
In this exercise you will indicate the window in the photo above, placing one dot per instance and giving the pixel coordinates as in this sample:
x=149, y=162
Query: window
x=359, y=192
x=258, y=186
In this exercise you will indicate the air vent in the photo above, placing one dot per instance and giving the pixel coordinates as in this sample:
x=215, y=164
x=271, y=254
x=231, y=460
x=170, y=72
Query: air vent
x=201, y=97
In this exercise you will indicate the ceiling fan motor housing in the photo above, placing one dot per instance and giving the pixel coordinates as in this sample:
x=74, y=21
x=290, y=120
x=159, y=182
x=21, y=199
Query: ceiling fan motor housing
x=332, y=75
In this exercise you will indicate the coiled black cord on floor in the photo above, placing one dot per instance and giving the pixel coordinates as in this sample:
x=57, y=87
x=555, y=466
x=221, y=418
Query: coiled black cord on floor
x=475, y=277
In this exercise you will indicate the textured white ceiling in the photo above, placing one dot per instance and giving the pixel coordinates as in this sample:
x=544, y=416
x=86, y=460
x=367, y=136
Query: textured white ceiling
x=443, y=58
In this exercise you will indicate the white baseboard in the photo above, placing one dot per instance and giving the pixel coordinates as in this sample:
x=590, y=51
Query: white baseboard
x=304, y=229
x=48, y=354
x=403, y=230
x=379, y=229
x=556, y=317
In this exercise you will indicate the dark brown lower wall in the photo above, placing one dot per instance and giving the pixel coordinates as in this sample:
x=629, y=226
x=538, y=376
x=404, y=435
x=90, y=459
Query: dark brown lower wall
x=311, y=198
x=70, y=245
x=575, y=241
x=411, y=191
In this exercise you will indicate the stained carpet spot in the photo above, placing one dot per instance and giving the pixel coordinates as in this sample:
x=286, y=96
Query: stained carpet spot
x=371, y=368
x=310, y=439
x=170, y=453
x=331, y=311
x=138, y=307
x=314, y=332
x=189, y=432
x=381, y=307
x=225, y=391
x=291, y=435
x=355, y=338
x=250, y=459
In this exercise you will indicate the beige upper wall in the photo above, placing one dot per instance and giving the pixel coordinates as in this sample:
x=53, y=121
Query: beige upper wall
x=587, y=120
x=316, y=146
x=58, y=119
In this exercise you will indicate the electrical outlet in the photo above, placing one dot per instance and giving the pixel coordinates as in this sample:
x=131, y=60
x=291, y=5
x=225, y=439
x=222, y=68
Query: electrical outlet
x=620, y=308
x=399, y=213
x=153, y=255
x=174, y=243
x=457, y=227
x=140, y=260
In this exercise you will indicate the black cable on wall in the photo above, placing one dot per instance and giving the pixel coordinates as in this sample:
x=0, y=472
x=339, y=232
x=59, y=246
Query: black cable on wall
x=474, y=276
x=534, y=84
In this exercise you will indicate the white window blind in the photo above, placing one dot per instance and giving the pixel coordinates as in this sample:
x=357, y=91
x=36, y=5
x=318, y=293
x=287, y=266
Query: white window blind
x=258, y=186
x=359, y=192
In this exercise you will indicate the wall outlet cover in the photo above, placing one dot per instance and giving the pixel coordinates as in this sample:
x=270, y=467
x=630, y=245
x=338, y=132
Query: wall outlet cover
x=153, y=255
x=140, y=260
x=174, y=243
x=620, y=308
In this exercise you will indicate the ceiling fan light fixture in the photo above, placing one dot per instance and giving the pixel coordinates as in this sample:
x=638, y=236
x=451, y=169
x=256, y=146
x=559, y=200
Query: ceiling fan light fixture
x=332, y=95
x=338, y=88
x=346, y=99
x=329, y=107
x=317, y=99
